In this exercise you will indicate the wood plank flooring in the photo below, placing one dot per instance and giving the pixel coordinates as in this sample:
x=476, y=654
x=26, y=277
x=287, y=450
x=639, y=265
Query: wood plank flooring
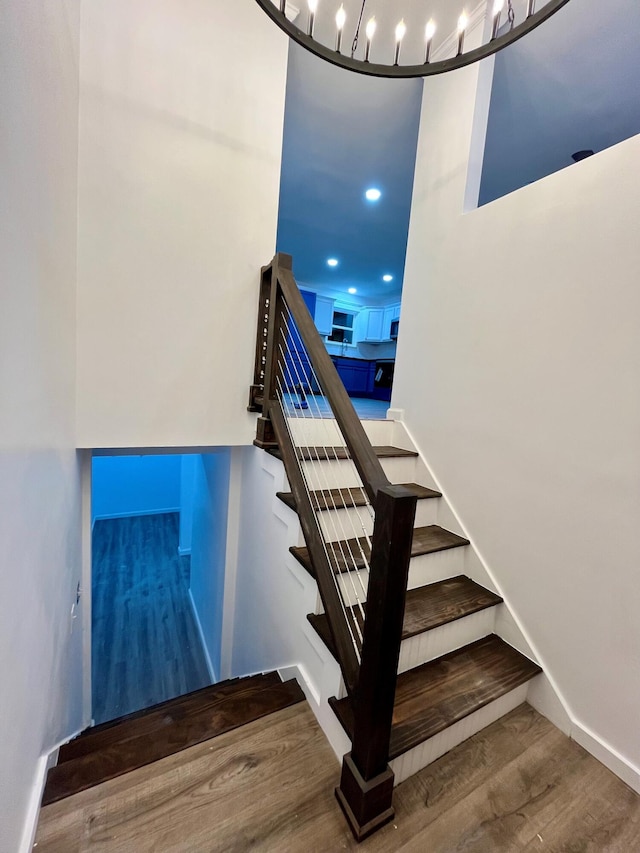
x=145, y=645
x=105, y=752
x=519, y=785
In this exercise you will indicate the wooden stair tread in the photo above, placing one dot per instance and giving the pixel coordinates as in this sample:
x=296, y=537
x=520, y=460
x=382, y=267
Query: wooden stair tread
x=116, y=748
x=426, y=540
x=158, y=716
x=435, y=695
x=427, y=607
x=324, y=499
x=332, y=454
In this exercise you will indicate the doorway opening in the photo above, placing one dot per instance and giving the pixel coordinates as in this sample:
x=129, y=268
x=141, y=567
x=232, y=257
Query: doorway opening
x=348, y=160
x=158, y=564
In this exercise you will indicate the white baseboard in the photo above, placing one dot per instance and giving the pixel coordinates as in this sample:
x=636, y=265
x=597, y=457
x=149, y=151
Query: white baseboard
x=203, y=643
x=607, y=755
x=320, y=708
x=107, y=516
x=545, y=694
x=44, y=763
x=395, y=415
x=297, y=672
x=33, y=809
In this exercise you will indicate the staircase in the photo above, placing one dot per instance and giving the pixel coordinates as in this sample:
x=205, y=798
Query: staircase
x=405, y=606
x=455, y=674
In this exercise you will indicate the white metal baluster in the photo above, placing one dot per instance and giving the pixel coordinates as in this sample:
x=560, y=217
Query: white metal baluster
x=321, y=474
x=350, y=622
x=345, y=534
x=351, y=462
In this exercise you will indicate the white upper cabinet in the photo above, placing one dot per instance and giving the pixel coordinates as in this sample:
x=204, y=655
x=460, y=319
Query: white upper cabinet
x=372, y=324
x=391, y=314
x=324, y=315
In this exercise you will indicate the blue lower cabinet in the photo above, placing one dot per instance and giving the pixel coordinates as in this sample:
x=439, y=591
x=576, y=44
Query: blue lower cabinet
x=357, y=375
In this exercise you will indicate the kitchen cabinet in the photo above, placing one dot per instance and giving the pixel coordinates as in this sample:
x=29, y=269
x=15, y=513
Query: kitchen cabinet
x=391, y=313
x=357, y=375
x=372, y=325
x=323, y=316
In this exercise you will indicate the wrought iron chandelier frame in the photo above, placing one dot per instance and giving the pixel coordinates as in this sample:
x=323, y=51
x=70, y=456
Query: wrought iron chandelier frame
x=426, y=69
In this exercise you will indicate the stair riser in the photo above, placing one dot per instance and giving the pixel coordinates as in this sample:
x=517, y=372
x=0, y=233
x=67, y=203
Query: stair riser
x=341, y=473
x=426, y=753
x=313, y=432
x=447, y=638
x=423, y=570
x=347, y=523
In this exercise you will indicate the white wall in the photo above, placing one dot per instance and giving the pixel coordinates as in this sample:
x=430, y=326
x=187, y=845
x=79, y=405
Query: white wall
x=181, y=117
x=136, y=485
x=518, y=369
x=208, y=549
x=40, y=645
x=273, y=595
x=188, y=466
x=586, y=98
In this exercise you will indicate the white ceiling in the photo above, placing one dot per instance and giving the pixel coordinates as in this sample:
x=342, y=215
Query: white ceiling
x=572, y=84
x=343, y=134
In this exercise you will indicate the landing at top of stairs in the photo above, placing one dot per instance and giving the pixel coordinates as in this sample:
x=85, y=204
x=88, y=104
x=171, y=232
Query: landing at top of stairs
x=114, y=748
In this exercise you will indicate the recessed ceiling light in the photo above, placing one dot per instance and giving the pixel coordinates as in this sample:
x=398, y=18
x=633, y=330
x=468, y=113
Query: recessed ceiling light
x=332, y=262
x=387, y=278
x=373, y=194
x=352, y=291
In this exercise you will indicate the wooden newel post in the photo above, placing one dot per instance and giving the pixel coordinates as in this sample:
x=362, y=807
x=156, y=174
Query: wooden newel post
x=366, y=786
x=269, y=338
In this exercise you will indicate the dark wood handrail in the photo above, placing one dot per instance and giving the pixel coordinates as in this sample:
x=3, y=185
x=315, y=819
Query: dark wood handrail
x=369, y=668
x=362, y=453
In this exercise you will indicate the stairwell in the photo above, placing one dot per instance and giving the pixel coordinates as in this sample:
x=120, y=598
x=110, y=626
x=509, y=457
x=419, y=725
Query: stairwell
x=457, y=674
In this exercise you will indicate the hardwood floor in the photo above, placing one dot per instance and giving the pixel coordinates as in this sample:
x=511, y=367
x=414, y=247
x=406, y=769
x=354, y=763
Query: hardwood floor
x=145, y=645
x=107, y=751
x=366, y=409
x=519, y=785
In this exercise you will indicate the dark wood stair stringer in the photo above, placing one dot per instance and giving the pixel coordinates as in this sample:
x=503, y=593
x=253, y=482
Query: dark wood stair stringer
x=115, y=748
x=435, y=695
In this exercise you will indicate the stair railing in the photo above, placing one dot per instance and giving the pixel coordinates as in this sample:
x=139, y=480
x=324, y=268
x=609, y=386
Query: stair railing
x=360, y=553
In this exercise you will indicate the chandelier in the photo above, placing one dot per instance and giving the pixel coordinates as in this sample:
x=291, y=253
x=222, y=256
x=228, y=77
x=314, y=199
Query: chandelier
x=324, y=31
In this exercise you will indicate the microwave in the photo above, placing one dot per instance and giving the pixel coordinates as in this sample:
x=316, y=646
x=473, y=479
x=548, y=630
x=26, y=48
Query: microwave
x=394, y=329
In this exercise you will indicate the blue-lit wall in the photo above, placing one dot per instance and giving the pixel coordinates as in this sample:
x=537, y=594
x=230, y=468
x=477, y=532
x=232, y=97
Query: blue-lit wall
x=210, y=479
x=135, y=485
x=569, y=86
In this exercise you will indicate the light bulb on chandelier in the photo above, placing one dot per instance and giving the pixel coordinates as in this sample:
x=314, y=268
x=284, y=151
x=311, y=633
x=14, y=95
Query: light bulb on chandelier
x=360, y=60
